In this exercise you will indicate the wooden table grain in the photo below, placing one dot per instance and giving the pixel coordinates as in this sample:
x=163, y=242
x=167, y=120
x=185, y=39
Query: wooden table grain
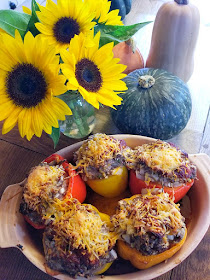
x=18, y=156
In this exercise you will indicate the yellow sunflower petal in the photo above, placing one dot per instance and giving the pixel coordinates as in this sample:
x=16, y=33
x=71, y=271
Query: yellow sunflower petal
x=5, y=62
x=26, y=10
x=104, y=55
x=116, y=85
x=90, y=53
x=27, y=124
x=13, y=47
x=29, y=135
x=51, y=6
x=18, y=37
x=29, y=46
x=21, y=122
x=3, y=98
x=90, y=98
x=43, y=59
x=68, y=58
x=115, y=68
x=49, y=114
x=47, y=16
x=114, y=77
x=67, y=71
x=11, y=121
x=58, y=85
x=47, y=128
x=72, y=84
x=45, y=29
x=112, y=96
x=6, y=129
x=103, y=13
x=6, y=109
x=37, y=122
x=113, y=18
x=61, y=109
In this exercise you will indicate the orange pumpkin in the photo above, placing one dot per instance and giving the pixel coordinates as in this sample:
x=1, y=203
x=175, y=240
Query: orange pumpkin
x=133, y=59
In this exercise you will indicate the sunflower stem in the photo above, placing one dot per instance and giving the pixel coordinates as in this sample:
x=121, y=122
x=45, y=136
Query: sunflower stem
x=80, y=121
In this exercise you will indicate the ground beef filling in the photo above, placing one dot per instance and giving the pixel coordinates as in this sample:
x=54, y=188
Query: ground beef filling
x=75, y=262
x=180, y=176
x=34, y=216
x=93, y=172
x=152, y=244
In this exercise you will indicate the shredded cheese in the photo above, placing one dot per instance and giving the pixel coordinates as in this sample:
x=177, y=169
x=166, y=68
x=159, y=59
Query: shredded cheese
x=141, y=214
x=160, y=155
x=96, y=151
x=43, y=183
x=160, y=162
x=78, y=226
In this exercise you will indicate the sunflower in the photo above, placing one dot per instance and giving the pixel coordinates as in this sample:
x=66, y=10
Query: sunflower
x=102, y=13
x=62, y=21
x=93, y=71
x=29, y=84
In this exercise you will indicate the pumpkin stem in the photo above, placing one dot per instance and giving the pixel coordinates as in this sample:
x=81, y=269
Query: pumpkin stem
x=131, y=43
x=182, y=2
x=146, y=81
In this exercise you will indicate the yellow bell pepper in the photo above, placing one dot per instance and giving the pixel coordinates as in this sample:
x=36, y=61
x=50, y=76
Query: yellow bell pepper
x=106, y=218
x=112, y=186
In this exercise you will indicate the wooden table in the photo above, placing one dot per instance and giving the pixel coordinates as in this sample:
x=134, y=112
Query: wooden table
x=17, y=156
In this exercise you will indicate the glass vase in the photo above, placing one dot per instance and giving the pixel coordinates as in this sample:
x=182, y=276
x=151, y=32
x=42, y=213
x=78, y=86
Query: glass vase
x=82, y=121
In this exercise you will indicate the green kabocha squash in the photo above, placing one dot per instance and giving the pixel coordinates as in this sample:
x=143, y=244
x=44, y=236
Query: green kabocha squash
x=157, y=104
x=124, y=6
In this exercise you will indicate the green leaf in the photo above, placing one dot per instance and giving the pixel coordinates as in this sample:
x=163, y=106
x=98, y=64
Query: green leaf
x=55, y=136
x=31, y=25
x=117, y=33
x=11, y=20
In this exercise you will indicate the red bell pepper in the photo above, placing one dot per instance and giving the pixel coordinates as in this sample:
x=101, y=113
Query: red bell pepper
x=76, y=186
x=55, y=159
x=33, y=224
x=176, y=193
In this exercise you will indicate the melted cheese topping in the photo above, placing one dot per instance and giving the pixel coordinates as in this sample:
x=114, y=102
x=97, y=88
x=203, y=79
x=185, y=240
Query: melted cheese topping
x=43, y=183
x=96, y=151
x=160, y=155
x=148, y=213
x=78, y=226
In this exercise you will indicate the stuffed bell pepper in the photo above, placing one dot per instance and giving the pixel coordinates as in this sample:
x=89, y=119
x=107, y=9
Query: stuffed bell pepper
x=53, y=178
x=101, y=164
x=160, y=166
x=79, y=241
x=151, y=229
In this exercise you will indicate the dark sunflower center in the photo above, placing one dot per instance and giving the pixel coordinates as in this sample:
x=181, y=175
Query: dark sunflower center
x=88, y=75
x=65, y=29
x=26, y=85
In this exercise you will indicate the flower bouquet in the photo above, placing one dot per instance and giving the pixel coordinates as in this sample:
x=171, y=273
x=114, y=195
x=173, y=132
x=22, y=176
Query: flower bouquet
x=57, y=59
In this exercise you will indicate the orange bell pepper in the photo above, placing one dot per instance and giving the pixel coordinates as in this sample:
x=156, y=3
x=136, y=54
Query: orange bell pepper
x=142, y=262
